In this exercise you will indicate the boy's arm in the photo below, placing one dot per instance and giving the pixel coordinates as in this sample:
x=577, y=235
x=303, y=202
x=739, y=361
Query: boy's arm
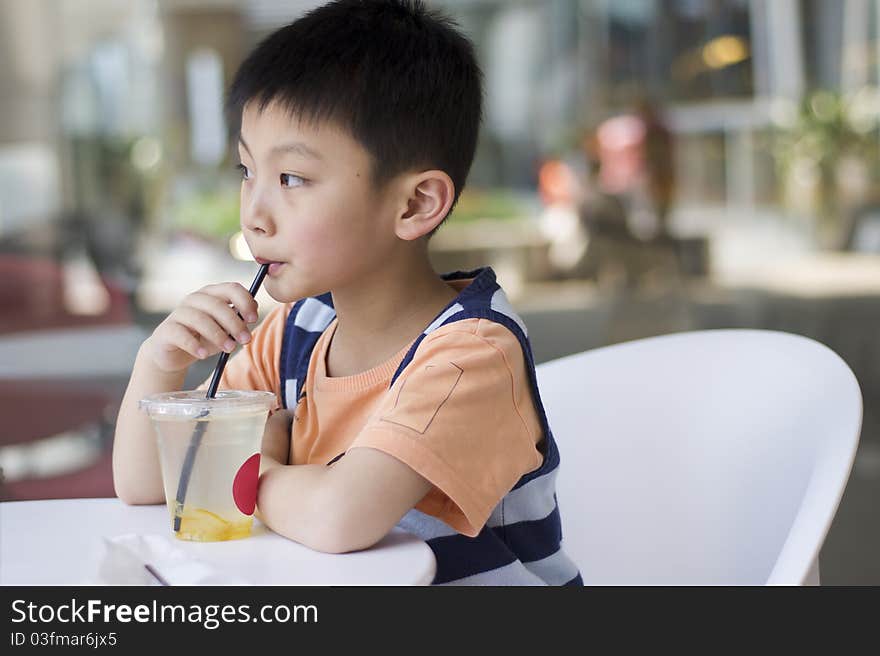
x=136, y=474
x=348, y=506
x=197, y=329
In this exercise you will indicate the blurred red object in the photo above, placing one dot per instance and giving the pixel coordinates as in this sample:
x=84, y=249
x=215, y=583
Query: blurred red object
x=620, y=144
x=93, y=481
x=33, y=409
x=557, y=183
x=37, y=409
x=33, y=297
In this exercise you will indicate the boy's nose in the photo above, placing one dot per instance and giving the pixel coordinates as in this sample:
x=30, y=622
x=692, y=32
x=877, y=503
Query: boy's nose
x=257, y=218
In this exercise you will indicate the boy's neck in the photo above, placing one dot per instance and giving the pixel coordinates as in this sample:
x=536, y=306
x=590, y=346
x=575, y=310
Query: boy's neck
x=380, y=315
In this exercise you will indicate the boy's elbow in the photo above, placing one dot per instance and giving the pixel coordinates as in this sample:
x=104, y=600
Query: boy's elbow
x=337, y=536
x=132, y=496
x=135, y=499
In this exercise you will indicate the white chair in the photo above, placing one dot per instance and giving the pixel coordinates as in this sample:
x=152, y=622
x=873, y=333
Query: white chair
x=713, y=457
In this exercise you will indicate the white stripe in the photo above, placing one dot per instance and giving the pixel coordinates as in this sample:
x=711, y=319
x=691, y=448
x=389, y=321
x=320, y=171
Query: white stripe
x=502, y=305
x=314, y=316
x=555, y=570
x=443, y=317
x=511, y=574
x=290, y=392
x=425, y=526
x=528, y=503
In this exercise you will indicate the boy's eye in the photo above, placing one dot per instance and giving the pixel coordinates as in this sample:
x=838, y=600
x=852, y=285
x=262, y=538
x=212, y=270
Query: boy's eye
x=245, y=173
x=288, y=180
x=291, y=180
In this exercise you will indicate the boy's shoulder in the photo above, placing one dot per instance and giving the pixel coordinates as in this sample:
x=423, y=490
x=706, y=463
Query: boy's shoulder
x=474, y=333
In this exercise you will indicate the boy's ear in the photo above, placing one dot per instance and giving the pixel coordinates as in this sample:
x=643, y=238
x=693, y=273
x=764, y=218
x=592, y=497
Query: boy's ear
x=429, y=199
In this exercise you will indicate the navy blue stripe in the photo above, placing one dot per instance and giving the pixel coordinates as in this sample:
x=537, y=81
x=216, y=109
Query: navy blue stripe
x=551, y=460
x=407, y=359
x=483, y=279
x=576, y=581
x=327, y=299
x=459, y=556
x=461, y=275
x=296, y=349
x=287, y=350
x=302, y=343
x=534, y=540
x=306, y=342
x=478, y=295
x=548, y=446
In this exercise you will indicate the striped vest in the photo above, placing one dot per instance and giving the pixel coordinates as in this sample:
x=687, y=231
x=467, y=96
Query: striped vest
x=520, y=543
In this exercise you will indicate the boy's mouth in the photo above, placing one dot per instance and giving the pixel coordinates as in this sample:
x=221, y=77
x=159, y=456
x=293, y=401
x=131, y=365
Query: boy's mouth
x=274, y=266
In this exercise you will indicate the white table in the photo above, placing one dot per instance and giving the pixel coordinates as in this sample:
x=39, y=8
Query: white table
x=60, y=542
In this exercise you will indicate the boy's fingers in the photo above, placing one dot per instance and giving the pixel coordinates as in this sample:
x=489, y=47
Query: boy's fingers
x=184, y=340
x=238, y=296
x=205, y=327
x=224, y=315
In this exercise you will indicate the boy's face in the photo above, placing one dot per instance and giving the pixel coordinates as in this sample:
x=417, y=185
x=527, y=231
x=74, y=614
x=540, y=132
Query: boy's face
x=307, y=202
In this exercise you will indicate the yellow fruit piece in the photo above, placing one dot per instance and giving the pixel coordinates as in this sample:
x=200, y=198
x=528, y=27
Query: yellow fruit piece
x=214, y=516
x=203, y=525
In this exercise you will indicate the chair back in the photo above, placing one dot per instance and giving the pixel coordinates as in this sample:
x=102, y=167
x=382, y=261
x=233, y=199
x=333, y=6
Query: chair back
x=710, y=457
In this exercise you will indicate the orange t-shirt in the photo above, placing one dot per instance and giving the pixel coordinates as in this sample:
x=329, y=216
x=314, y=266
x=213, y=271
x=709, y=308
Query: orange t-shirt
x=461, y=414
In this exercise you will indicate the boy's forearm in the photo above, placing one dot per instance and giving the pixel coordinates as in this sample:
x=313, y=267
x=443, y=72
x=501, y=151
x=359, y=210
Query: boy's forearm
x=349, y=506
x=293, y=501
x=137, y=477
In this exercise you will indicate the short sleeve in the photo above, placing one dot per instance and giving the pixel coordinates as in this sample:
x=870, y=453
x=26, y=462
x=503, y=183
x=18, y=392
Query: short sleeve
x=461, y=415
x=256, y=365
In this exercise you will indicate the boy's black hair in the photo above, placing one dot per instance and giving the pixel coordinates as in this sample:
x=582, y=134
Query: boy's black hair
x=399, y=78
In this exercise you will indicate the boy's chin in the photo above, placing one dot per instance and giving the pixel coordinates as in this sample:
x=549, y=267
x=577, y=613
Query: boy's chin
x=285, y=292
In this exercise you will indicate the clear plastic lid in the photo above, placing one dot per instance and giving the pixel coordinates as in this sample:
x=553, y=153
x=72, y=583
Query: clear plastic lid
x=194, y=404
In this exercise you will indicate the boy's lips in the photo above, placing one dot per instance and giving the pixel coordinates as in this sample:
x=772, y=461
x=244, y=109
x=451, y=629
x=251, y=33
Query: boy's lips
x=274, y=266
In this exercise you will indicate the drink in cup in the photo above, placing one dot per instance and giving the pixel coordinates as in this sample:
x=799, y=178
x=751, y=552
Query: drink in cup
x=209, y=451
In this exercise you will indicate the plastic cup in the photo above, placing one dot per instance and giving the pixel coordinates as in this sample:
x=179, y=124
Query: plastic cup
x=209, y=452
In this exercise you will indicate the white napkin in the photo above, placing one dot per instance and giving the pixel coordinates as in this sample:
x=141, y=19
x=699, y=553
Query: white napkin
x=127, y=556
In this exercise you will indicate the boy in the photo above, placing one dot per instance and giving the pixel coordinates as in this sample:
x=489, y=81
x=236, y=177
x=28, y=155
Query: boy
x=412, y=395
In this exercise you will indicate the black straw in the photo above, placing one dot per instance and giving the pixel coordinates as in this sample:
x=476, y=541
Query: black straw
x=221, y=363
x=201, y=426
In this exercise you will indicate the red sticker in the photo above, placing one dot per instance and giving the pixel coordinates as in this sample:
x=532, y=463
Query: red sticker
x=244, y=487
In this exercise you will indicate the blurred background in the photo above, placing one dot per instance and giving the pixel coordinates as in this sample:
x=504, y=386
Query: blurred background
x=645, y=167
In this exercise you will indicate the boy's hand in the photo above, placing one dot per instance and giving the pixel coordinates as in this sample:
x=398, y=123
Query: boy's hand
x=201, y=326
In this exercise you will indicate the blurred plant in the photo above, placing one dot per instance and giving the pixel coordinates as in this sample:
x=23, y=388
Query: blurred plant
x=212, y=214
x=817, y=137
x=501, y=204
